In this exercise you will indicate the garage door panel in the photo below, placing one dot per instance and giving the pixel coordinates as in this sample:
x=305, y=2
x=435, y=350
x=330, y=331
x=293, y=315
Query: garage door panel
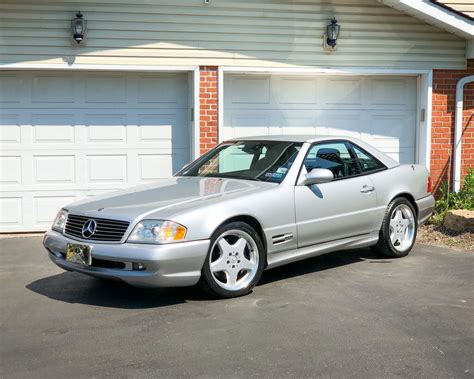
x=343, y=92
x=393, y=127
x=296, y=120
x=11, y=212
x=159, y=128
x=393, y=93
x=154, y=167
x=155, y=127
x=56, y=169
x=163, y=90
x=107, y=168
x=52, y=128
x=246, y=123
x=105, y=89
x=106, y=128
x=10, y=170
x=10, y=131
x=343, y=124
x=249, y=90
x=106, y=133
x=11, y=88
x=297, y=91
x=121, y=129
x=52, y=89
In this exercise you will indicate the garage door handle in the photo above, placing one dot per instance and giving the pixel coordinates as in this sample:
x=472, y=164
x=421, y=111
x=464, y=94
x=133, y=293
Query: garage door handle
x=367, y=189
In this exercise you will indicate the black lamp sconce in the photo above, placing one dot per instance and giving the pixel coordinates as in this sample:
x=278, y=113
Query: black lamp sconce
x=332, y=33
x=78, y=28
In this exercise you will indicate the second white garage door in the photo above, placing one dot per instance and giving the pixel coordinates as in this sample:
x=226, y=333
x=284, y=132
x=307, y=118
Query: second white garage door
x=65, y=136
x=378, y=110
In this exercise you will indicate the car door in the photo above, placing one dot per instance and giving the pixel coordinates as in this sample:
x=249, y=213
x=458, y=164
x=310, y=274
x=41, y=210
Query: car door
x=341, y=208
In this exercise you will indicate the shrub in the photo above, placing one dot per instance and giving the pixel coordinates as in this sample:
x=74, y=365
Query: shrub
x=447, y=200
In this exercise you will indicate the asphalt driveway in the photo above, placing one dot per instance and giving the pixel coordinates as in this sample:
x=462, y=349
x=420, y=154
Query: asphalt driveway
x=346, y=314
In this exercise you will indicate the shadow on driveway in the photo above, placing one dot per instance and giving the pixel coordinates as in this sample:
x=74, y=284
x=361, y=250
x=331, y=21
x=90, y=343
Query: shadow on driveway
x=320, y=263
x=73, y=288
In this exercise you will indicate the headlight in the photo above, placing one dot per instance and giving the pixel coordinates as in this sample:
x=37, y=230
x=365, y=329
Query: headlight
x=60, y=221
x=156, y=231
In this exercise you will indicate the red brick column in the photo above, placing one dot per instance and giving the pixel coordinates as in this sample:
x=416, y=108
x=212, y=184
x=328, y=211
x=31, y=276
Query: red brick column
x=442, y=126
x=208, y=104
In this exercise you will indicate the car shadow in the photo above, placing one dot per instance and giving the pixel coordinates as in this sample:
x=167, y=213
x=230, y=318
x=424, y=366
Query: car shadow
x=74, y=288
x=320, y=263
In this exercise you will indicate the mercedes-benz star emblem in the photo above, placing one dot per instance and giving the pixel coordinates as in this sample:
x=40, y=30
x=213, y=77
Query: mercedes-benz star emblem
x=88, y=229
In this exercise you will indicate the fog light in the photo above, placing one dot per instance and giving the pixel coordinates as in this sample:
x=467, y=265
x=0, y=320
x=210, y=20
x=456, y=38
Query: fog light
x=137, y=266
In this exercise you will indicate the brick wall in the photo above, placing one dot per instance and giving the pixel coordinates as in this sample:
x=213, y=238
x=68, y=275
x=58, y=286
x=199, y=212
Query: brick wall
x=208, y=105
x=443, y=117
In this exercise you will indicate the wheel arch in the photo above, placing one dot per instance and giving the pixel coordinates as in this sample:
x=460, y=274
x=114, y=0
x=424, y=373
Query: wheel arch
x=250, y=220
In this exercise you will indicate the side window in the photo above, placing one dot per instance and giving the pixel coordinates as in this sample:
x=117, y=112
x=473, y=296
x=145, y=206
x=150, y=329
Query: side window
x=367, y=162
x=334, y=156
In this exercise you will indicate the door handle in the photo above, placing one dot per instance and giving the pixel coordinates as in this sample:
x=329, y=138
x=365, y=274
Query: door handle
x=367, y=189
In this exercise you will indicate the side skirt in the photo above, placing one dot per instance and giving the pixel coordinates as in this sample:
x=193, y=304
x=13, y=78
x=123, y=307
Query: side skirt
x=279, y=259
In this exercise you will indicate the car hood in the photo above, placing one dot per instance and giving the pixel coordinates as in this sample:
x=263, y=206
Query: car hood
x=160, y=200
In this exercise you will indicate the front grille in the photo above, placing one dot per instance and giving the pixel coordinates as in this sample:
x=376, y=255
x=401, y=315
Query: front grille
x=107, y=230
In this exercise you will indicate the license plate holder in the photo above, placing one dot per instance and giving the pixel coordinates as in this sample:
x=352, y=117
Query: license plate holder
x=81, y=254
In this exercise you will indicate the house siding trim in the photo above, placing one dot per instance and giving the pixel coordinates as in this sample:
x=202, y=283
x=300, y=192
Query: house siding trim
x=264, y=33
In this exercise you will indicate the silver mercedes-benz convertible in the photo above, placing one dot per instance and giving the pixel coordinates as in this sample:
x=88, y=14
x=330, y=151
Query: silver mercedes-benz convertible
x=247, y=205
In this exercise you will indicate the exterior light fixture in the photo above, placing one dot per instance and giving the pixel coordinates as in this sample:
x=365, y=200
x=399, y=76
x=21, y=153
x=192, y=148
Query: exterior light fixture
x=78, y=26
x=332, y=32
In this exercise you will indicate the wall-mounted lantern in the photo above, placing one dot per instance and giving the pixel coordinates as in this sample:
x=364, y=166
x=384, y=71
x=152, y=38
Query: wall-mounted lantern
x=78, y=27
x=332, y=32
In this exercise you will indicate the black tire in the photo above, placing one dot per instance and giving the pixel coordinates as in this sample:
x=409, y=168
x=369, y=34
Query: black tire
x=384, y=246
x=208, y=281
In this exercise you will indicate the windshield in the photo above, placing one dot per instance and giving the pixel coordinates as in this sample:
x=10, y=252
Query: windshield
x=267, y=161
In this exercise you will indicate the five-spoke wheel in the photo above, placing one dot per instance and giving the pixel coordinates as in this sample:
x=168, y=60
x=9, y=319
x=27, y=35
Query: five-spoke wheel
x=235, y=261
x=398, y=232
x=402, y=227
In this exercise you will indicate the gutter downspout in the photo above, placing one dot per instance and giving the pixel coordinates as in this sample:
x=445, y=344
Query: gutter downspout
x=458, y=130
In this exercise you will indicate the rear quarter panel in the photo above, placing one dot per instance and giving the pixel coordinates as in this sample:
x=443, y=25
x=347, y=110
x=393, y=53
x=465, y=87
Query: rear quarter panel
x=405, y=179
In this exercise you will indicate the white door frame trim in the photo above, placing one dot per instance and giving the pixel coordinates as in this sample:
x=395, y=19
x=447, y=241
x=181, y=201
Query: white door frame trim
x=424, y=95
x=195, y=123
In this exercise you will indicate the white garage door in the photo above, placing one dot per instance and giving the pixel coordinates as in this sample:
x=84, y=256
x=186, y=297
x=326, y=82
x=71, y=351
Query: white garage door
x=65, y=136
x=378, y=110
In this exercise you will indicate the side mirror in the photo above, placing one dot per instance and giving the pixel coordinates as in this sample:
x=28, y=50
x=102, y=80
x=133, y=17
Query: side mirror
x=318, y=176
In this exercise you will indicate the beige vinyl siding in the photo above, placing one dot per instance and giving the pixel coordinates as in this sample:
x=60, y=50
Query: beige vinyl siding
x=225, y=32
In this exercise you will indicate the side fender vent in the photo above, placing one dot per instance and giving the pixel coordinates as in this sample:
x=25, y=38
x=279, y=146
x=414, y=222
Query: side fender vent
x=282, y=238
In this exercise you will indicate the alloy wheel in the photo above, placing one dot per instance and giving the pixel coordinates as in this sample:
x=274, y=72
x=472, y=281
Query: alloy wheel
x=402, y=228
x=234, y=260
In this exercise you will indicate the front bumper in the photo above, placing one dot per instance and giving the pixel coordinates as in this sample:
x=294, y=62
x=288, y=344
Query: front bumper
x=425, y=208
x=171, y=265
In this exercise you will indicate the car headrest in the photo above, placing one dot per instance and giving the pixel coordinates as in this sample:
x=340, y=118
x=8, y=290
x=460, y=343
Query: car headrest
x=329, y=154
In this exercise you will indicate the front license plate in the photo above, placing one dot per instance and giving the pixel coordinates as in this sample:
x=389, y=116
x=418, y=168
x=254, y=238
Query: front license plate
x=81, y=254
